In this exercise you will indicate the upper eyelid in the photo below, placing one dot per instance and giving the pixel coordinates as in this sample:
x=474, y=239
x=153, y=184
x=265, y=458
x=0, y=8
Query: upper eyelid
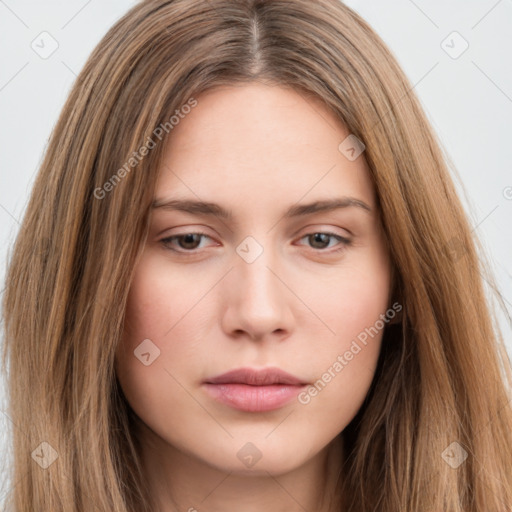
x=310, y=230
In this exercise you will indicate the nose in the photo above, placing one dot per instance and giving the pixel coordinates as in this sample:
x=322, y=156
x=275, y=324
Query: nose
x=257, y=302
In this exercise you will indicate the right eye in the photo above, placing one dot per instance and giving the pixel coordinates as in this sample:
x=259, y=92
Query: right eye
x=186, y=242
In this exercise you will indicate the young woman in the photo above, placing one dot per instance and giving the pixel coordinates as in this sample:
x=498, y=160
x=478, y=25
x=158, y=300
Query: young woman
x=244, y=281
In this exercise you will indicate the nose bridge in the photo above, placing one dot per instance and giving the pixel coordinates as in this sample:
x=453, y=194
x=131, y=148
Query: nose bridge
x=254, y=272
x=258, y=299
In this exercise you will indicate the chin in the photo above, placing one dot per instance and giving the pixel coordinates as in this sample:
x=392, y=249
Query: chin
x=256, y=458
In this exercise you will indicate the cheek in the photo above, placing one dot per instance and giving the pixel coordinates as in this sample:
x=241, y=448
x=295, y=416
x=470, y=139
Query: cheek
x=353, y=307
x=356, y=297
x=160, y=344
x=160, y=304
x=152, y=378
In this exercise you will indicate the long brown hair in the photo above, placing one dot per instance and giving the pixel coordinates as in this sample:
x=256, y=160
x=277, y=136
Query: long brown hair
x=441, y=390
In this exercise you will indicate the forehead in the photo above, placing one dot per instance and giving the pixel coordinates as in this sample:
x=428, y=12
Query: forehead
x=255, y=142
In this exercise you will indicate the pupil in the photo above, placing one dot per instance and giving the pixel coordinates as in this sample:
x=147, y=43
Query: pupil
x=189, y=239
x=317, y=237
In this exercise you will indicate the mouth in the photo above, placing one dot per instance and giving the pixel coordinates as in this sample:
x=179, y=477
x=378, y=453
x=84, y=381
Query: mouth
x=251, y=390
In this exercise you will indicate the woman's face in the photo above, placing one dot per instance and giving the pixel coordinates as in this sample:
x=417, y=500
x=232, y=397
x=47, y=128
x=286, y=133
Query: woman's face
x=274, y=280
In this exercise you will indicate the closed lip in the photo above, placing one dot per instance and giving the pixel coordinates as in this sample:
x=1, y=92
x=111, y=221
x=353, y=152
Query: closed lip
x=256, y=377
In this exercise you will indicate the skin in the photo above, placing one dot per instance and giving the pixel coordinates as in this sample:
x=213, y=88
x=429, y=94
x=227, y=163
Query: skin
x=256, y=150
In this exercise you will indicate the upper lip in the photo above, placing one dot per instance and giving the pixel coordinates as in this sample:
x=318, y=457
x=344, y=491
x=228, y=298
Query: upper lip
x=253, y=377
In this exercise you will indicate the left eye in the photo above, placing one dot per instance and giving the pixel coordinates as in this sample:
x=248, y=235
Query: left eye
x=321, y=238
x=188, y=242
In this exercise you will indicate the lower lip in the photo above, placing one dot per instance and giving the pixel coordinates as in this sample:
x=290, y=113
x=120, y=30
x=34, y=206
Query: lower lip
x=253, y=398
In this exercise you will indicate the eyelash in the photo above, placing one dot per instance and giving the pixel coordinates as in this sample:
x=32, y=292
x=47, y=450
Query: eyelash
x=344, y=242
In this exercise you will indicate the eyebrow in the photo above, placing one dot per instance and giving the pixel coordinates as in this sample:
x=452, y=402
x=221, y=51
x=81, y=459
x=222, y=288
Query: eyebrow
x=297, y=210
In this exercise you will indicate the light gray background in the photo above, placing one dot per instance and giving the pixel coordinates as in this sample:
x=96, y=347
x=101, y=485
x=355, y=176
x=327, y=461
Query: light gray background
x=468, y=100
